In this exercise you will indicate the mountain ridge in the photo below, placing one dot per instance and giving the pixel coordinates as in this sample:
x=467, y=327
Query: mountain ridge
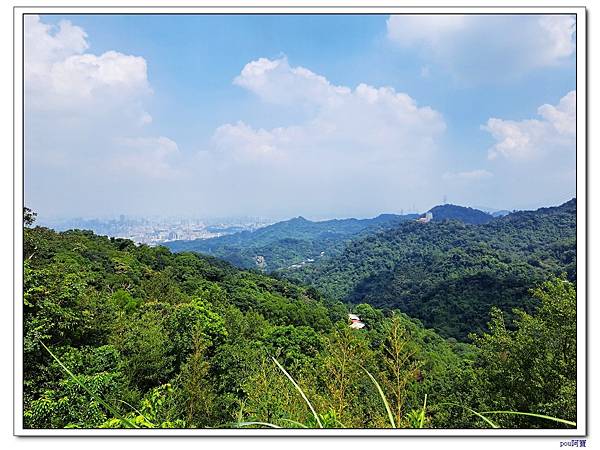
x=288, y=242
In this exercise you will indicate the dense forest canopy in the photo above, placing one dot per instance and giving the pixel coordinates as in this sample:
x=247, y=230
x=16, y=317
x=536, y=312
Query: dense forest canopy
x=460, y=213
x=449, y=274
x=119, y=335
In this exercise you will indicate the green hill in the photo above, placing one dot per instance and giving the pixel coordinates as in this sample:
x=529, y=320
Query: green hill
x=461, y=213
x=448, y=274
x=287, y=243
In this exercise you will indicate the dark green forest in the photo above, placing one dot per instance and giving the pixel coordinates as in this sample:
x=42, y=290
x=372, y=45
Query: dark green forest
x=460, y=213
x=448, y=274
x=122, y=335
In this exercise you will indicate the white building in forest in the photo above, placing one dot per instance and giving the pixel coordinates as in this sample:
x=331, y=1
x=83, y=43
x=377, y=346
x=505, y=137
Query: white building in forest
x=428, y=218
x=355, y=322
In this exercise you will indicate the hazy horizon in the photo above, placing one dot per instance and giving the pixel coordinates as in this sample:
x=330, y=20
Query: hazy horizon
x=285, y=116
x=44, y=219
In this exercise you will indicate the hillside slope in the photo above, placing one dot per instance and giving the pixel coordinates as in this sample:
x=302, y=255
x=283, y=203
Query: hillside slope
x=448, y=274
x=286, y=243
x=188, y=338
x=461, y=213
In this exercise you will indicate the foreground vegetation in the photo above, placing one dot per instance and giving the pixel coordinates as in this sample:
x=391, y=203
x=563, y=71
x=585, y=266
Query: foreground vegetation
x=119, y=335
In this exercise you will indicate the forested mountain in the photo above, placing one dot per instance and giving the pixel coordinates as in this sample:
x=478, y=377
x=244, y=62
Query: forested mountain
x=286, y=243
x=461, y=213
x=448, y=274
x=119, y=335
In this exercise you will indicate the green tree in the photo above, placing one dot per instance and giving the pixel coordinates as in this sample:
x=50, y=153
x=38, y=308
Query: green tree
x=293, y=346
x=532, y=368
x=189, y=322
x=400, y=365
x=146, y=348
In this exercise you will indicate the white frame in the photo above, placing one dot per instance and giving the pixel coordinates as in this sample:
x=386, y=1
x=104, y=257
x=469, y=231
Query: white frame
x=312, y=7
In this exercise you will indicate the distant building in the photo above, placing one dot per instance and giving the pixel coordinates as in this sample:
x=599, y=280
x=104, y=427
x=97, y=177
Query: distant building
x=355, y=322
x=260, y=261
x=428, y=217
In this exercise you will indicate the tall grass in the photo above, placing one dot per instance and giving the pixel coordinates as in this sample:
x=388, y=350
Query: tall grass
x=316, y=416
x=419, y=423
x=540, y=416
x=473, y=412
x=422, y=413
x=382, y=395
x=482, y=415
x=420, y=416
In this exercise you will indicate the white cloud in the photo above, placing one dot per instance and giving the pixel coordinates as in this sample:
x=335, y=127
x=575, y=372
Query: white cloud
x=61, y=79
x=45, y=44
x=473, y=175
x=486, y=48
x=533, y=160
x=365, y=144
x=379, y=122
x=431, y=30
x=562, y=117
x=532, y=139
x=78, y=108
x=246, y=143
x=274, y=81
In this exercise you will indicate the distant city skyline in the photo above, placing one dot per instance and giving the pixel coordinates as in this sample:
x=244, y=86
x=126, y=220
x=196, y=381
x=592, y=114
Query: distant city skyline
x=282, y=116
x=61, y=223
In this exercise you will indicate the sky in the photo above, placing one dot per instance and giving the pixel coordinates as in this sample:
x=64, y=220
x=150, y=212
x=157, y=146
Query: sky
x=285, y=115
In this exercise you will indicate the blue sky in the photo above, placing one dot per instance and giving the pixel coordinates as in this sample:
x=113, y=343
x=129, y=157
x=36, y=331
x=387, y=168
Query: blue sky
x=171, y=120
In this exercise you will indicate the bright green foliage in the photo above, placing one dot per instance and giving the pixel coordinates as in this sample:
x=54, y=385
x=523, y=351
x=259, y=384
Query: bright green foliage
x=532, y=369
x=270, y=397
x=196, y=391
x=70, y=406
x=371, y=317
x=124, y=301
x=293, y=346
x=146, y=338
x=400, y=365
x=157, y=410
x=146, y=346
x=188, y=322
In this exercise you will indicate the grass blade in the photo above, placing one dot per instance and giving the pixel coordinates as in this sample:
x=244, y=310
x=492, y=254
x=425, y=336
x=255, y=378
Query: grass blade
x=423, y=411
x=138, y=413
x=541, y=416
x=316, y=416
x=472, y=411
x=264, y=424
x=382, y=395
x=112, y=410
x=294, y=422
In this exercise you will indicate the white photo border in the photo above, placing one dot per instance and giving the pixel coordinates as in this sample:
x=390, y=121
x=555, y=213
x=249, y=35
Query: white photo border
x=314, y=8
